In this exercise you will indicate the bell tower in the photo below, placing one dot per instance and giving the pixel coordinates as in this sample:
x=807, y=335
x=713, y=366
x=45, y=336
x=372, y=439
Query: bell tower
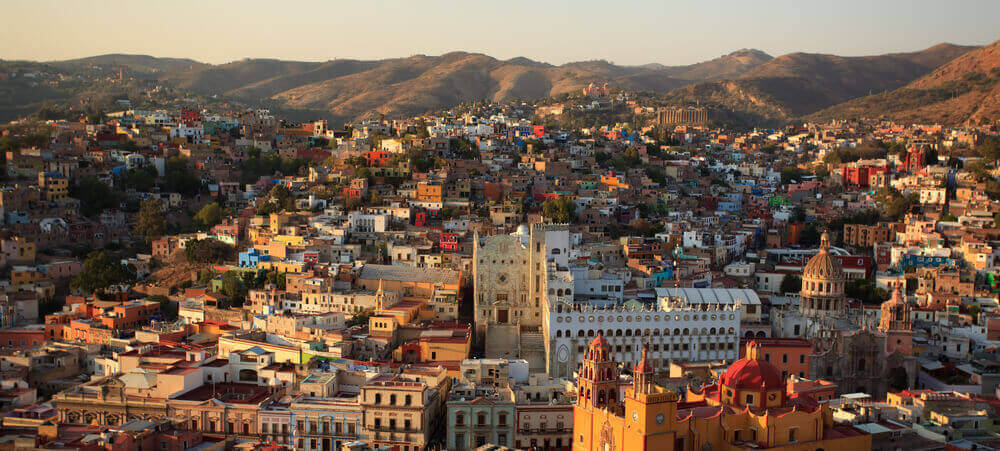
x=598, y=377
x=894, y=322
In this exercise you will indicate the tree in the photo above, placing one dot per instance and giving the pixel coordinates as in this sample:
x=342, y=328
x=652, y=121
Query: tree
x=790, y=174
x=894, y=204
x=232, y=287
x=207, y=251
x=168, y=307
x=989, y=149
x=209, y=215
x=360, y=318
x=179, y=177
x=94, y=195
x=791, y=283
x=101, y=271
x=561, y=210
x=151, y=223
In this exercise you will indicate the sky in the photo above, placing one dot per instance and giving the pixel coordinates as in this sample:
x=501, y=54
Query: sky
x=625, y=32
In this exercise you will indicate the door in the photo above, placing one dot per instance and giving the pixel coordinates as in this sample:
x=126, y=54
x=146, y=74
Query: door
x=502, y=316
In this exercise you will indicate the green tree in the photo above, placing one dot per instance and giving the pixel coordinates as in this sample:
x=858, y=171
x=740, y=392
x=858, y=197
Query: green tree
x=894, y=204
x=207, y=251
x=790, y=174
x=791, y=283
x=101, y=271
x=94, y=195
x=562, y=210
x=168, y=307
x=180, y=178
x=989, y=149
x=209, y=215
x=360, y=318
x=151, y=224
x=232, y=286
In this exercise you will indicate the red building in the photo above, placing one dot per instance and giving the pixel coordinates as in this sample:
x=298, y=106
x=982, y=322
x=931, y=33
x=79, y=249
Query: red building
x=860, y=176
x=449, y=242
x=378, y=157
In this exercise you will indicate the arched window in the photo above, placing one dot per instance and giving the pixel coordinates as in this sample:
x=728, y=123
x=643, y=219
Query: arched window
x=590, y=333
x=618, y=332
x=558, y=334
x=579, y=334
x=556, y=251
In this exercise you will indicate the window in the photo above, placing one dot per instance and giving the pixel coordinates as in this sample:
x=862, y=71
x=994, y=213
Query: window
x=459, y=419
x=502, y=419
x=459, y=440
x=480, y=441
x=481, y=419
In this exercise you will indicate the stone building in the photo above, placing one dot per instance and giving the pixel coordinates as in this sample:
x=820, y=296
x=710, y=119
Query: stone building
x=848, y=349
x=511, y=274
x=402, y=410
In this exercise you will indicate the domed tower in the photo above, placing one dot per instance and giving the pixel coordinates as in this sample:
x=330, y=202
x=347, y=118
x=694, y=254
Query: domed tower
x=644, y=375
x=822, y=292
x=751, y=382
x=894, y=322
x=598, y=377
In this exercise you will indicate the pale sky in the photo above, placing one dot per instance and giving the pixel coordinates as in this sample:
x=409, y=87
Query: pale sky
x=622, y=31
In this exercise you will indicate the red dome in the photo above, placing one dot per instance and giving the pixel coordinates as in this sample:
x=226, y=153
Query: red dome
x=750, y=374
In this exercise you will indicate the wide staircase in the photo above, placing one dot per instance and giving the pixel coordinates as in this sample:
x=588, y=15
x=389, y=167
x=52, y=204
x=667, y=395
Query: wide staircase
x=502, y=341
x=532, y=349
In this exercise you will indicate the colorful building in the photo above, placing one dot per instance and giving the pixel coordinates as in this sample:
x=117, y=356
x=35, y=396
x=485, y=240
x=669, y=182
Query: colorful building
x=749, y=407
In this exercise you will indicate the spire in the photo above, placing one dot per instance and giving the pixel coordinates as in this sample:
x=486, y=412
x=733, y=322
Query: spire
x=379, y=297
x=824, y=242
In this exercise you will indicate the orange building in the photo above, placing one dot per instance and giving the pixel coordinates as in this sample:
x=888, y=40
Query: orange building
x=748, y=408
x=789, y=355
x=430, y=192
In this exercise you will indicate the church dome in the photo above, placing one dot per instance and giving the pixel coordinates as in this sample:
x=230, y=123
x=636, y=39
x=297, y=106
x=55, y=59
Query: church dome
x=823, y=266
x=752, y=374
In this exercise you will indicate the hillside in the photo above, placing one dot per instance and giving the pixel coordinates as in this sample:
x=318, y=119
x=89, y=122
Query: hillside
x=141, y=63
x=727, y=66
x=798, y=84
x=967, y=89
x=407, y=86
x=347, y=89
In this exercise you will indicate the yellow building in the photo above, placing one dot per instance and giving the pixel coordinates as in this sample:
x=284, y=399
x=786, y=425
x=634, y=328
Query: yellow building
x=748, y=408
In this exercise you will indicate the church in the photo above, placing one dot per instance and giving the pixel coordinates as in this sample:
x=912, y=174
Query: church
x=748, y=408
x=849, y=349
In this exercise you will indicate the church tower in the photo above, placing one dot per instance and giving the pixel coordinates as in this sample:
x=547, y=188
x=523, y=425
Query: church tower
x=598, y=378
x=894, y=322
x=823, y=279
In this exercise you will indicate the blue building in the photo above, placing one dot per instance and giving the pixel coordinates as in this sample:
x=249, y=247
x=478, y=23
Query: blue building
x=252, y=258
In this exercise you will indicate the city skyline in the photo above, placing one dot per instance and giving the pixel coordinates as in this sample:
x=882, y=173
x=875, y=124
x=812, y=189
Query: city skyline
x=644, y=33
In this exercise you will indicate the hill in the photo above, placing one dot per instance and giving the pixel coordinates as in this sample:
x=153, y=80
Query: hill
x=965, y=90
x=141, y=63
x=798, y=84
x=407, y=86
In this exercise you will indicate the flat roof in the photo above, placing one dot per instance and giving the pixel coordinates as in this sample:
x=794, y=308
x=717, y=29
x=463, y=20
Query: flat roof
x=711, y=295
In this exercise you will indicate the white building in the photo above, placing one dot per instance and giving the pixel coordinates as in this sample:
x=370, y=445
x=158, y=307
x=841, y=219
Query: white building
x=673, y=331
